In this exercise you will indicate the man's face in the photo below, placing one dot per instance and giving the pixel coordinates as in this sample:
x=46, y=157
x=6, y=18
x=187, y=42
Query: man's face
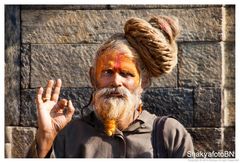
x=118, y=93
x=117, y=69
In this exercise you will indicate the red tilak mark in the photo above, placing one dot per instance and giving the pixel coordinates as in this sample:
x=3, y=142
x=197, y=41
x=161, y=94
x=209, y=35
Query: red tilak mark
x=117, y=61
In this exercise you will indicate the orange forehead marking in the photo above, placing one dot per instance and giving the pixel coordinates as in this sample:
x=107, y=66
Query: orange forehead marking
x=116, y=61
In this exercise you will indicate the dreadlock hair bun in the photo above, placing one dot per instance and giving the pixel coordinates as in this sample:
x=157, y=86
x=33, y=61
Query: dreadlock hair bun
x=155, y=42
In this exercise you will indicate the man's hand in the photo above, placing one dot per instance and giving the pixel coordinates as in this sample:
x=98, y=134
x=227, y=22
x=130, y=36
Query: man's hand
x=53, y=115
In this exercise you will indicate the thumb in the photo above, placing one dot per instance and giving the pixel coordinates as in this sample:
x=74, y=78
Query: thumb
x=62, y=103
x=70, y=110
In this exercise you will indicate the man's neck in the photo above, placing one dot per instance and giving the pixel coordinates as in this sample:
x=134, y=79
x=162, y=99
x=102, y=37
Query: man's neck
x=127, y=120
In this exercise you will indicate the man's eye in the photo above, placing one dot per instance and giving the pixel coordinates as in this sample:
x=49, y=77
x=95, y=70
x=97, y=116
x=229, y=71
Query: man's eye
x=108, y=72
x=126, y=74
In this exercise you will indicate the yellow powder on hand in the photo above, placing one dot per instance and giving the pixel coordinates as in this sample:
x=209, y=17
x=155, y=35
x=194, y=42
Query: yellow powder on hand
x=110, y=126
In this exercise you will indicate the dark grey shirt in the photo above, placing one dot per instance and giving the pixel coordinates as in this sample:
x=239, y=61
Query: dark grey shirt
x=86, y=139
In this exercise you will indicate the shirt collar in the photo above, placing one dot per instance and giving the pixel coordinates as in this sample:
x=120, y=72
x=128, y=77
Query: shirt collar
x=142, y=124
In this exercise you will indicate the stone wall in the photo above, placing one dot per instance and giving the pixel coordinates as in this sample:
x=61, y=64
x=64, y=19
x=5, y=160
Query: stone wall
x=50, y=42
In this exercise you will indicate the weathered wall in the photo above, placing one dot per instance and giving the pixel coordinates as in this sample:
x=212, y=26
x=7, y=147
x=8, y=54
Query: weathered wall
x=50, y=42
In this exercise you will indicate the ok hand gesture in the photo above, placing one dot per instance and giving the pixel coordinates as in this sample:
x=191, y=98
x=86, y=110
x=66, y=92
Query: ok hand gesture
x=53, y=115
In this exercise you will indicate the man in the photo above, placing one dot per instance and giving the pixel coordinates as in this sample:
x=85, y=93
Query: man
x=118, y=126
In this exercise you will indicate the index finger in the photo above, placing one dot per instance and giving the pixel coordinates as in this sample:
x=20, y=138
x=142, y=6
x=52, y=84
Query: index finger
x=57, y=90
x=39, y=96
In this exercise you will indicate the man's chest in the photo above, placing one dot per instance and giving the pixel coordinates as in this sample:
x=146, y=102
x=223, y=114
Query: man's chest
x=118, y=146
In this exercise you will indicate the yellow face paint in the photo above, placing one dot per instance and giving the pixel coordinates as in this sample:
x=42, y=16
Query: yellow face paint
x=113, y=62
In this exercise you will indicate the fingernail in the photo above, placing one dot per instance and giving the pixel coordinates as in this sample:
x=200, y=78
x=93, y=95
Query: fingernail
x=66, y=103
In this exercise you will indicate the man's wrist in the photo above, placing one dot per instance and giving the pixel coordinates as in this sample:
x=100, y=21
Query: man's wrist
x=44, y=141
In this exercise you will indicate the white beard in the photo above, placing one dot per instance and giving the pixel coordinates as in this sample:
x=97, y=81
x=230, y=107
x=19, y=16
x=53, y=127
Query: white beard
x=111, y=107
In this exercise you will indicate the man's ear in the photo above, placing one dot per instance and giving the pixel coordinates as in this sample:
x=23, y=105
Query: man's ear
x=92, y=77
x=146, y=81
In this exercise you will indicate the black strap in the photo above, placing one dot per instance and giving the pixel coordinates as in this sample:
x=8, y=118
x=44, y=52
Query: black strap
x=159, y=150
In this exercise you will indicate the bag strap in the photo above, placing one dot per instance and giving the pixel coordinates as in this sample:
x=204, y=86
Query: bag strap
x=159, y=150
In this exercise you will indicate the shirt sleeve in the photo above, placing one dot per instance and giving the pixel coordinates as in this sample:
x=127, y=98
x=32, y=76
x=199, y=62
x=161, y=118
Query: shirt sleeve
x=177, y=140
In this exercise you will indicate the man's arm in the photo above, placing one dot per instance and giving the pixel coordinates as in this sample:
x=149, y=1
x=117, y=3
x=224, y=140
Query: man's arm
x=53, y=116
x=177, y=140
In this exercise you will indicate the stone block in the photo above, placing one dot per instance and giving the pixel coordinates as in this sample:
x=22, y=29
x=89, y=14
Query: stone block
x=28, y=108
x=207, y=107
x=8, y=134
x=25, y=65
x=12, y=65
x=229, y=95
x=229, y=23
x=110, y=7
x=200, y=65
x=166, y=80
x=70, y=62
x=64, y=7
x=229, y=139
x=229, y=107
x=229, y=65
x=170, y=101
x=8, y=150
x=94, y=26
x=206, y=139
x=8, y=142
x=156, y=6
x=22, y=140
x=80, y=97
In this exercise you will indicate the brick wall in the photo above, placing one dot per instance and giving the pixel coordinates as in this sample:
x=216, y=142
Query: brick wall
x=50, y=42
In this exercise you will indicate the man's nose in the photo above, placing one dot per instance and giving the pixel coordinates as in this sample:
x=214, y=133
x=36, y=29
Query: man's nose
x=116, y=80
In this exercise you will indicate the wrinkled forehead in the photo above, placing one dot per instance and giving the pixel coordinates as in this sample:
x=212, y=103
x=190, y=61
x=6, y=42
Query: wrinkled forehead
x=119, y=48
x=124, y=51
x=114, y=48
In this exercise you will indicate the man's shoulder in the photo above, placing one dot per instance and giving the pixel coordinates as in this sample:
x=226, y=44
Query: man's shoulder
x=146, y=115
x=173, y=127
x=173, y=123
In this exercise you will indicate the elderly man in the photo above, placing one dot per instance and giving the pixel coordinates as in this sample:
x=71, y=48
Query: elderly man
x=118, y=125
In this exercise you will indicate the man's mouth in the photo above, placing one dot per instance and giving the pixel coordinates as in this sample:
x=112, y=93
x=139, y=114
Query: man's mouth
x=115, y=94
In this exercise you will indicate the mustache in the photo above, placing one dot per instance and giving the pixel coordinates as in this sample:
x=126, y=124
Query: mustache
x=114, y=93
